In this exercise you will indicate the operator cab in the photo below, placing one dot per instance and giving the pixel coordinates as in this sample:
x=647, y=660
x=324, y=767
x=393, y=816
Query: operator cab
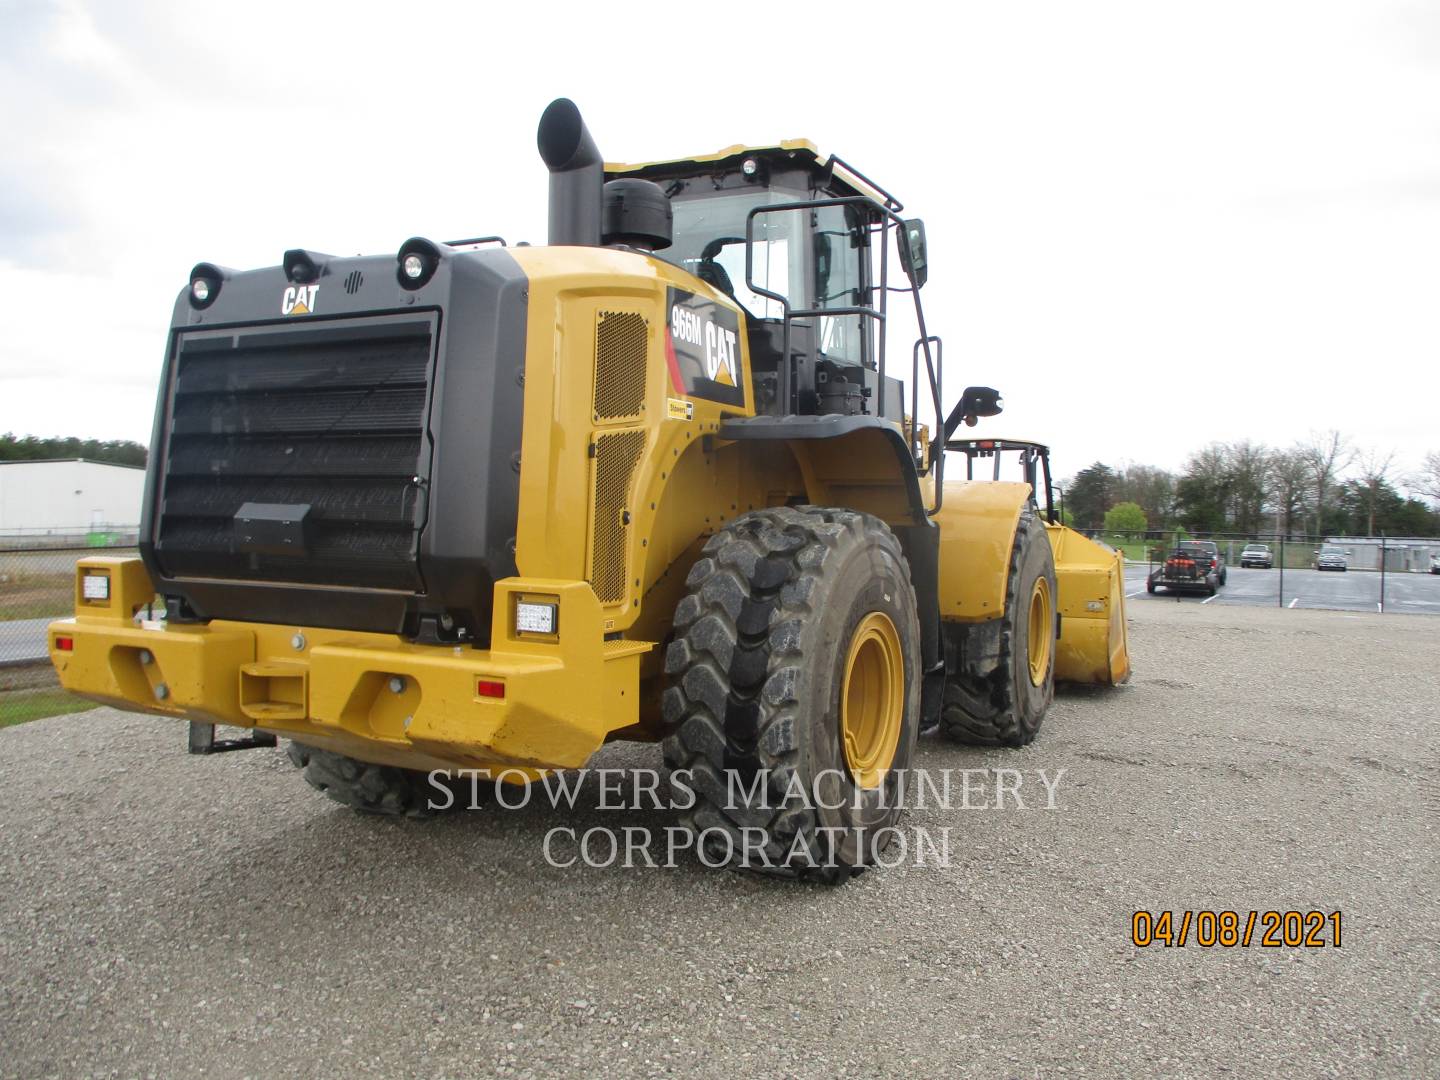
x=815, y=280
x=1031, y=458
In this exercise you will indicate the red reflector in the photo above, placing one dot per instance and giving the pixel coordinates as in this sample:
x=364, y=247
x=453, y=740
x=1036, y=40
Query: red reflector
x=65, y=644
x=490, y=688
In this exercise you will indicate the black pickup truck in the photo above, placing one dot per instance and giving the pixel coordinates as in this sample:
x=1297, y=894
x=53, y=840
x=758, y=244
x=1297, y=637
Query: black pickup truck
x=1193, y=566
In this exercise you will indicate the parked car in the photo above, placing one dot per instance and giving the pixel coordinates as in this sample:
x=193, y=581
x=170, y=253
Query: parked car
x=1332, y=557
x=1202, y=550
x=1193, y=566
x=1258, y=555
x=1435, y=564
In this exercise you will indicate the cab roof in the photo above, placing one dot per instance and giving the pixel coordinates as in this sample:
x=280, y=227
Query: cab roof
x=799, y=152
x=987, y=443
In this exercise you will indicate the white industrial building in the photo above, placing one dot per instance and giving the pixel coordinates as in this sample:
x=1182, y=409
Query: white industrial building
x=1402, y=553
x=68, y=497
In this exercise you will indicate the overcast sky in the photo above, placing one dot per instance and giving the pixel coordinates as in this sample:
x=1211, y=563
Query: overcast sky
x=1151, y=225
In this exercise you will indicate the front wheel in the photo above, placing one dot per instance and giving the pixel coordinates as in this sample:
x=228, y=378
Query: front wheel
x=794, y=696
x=1001, y=674
x=370, y=789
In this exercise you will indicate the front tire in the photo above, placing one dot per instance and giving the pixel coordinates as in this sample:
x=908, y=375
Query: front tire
x=794, y=696
x=370, y=789
x=1001, y=675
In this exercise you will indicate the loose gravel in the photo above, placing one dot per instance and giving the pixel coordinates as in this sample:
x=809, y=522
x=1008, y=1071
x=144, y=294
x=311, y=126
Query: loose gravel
x=169, y=915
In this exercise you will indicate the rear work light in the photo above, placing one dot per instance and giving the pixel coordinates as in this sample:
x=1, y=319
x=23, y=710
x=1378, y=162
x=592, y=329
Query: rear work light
x=65, y=644
x=205, y=282
x=95, y=587
x=536, y=618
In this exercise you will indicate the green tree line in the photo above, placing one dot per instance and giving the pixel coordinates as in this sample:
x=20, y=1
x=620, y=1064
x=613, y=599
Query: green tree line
x=1321, y=486
x=33, y=448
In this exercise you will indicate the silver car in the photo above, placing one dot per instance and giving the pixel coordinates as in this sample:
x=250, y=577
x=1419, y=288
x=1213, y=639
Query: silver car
x=1257, y=555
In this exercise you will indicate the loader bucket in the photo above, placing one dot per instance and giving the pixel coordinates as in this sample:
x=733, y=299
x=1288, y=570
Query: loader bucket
x=1092, y=647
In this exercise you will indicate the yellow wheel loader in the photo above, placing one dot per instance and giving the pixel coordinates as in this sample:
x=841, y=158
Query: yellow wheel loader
x=483, y=508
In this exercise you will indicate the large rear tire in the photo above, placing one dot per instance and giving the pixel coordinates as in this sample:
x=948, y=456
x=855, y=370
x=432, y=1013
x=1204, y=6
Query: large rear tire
x=794, y=696
x=1001, y=675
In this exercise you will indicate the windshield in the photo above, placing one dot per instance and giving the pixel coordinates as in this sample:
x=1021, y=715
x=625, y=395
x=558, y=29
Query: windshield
x=1331, y=549
x=709, y=241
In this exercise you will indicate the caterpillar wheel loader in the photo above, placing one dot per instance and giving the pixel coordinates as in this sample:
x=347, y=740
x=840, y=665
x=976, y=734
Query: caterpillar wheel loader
x=483, y=508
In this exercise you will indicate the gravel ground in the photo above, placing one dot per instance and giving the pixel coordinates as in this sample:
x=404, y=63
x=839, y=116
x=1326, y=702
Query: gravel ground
x=171, y=915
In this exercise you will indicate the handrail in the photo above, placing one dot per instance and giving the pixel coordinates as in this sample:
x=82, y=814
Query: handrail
x=475, y=241
x=787, y=375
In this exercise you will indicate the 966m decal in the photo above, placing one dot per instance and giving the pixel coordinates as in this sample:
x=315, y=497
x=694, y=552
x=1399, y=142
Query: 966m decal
x=702, y=348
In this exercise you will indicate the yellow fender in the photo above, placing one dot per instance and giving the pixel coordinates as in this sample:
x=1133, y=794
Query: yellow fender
x=977, y=521
x=1093, y=646
x=977, y=524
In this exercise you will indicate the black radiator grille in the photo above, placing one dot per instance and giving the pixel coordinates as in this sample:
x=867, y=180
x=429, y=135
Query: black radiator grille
x=331, y=418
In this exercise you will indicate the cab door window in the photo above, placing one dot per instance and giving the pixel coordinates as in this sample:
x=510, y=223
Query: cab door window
x=838, y=260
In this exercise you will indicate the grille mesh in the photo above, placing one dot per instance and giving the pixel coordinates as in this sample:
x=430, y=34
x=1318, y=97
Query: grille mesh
x=620, y=348
x=331, y=418
x=615, y=459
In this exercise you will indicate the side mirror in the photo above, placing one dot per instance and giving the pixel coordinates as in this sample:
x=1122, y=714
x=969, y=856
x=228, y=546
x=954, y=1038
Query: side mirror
x=913, y=258
x=978, y=401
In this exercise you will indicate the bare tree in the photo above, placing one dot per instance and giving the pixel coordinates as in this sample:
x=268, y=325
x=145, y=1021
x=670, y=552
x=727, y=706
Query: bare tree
x=1248, y=475
x=1153, y=489
x=1289, y=486
x=1427, y=481
x=1327, y=454
x=1374, y=470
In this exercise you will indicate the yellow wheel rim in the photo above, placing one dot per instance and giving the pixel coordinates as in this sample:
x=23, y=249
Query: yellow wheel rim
x=1042, y=630
x=872, y=699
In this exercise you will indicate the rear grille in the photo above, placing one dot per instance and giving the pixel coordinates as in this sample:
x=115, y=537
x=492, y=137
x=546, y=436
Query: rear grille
x=615, y=459
x=329, y=417
x=620, y=347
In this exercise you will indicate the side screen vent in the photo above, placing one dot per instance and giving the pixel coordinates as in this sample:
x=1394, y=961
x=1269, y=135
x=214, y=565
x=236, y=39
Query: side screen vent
x=615, y=459
x=620, y=350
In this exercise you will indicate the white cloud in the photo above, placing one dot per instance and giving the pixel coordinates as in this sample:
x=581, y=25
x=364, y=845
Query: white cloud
x=1151, y=225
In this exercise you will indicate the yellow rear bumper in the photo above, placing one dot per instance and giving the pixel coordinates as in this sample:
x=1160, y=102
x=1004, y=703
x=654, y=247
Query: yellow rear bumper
x=376, y=697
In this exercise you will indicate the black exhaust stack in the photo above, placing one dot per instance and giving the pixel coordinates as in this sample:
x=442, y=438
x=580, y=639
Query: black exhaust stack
x=577, y=175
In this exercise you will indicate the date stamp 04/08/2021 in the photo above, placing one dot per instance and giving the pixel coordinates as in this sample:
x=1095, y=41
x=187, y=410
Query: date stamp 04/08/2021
x=1236, y=929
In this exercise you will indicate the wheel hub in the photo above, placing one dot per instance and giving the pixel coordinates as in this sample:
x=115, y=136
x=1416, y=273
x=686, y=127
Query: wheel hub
x=872, y=699
x=1042, y=630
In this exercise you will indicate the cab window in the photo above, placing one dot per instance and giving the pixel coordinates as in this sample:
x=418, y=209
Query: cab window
x=709, y=241
x=839, y=247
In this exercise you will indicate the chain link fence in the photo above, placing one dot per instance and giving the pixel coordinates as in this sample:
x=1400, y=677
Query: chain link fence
x=1389, y=575
x=37, y=585
x=1383, y=574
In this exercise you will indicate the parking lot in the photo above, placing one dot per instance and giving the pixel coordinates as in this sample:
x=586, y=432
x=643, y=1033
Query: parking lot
x=168, y=914
x=1354, y=590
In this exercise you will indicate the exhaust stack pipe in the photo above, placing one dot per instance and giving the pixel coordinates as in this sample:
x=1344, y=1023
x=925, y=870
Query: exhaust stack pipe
x=577, y=175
